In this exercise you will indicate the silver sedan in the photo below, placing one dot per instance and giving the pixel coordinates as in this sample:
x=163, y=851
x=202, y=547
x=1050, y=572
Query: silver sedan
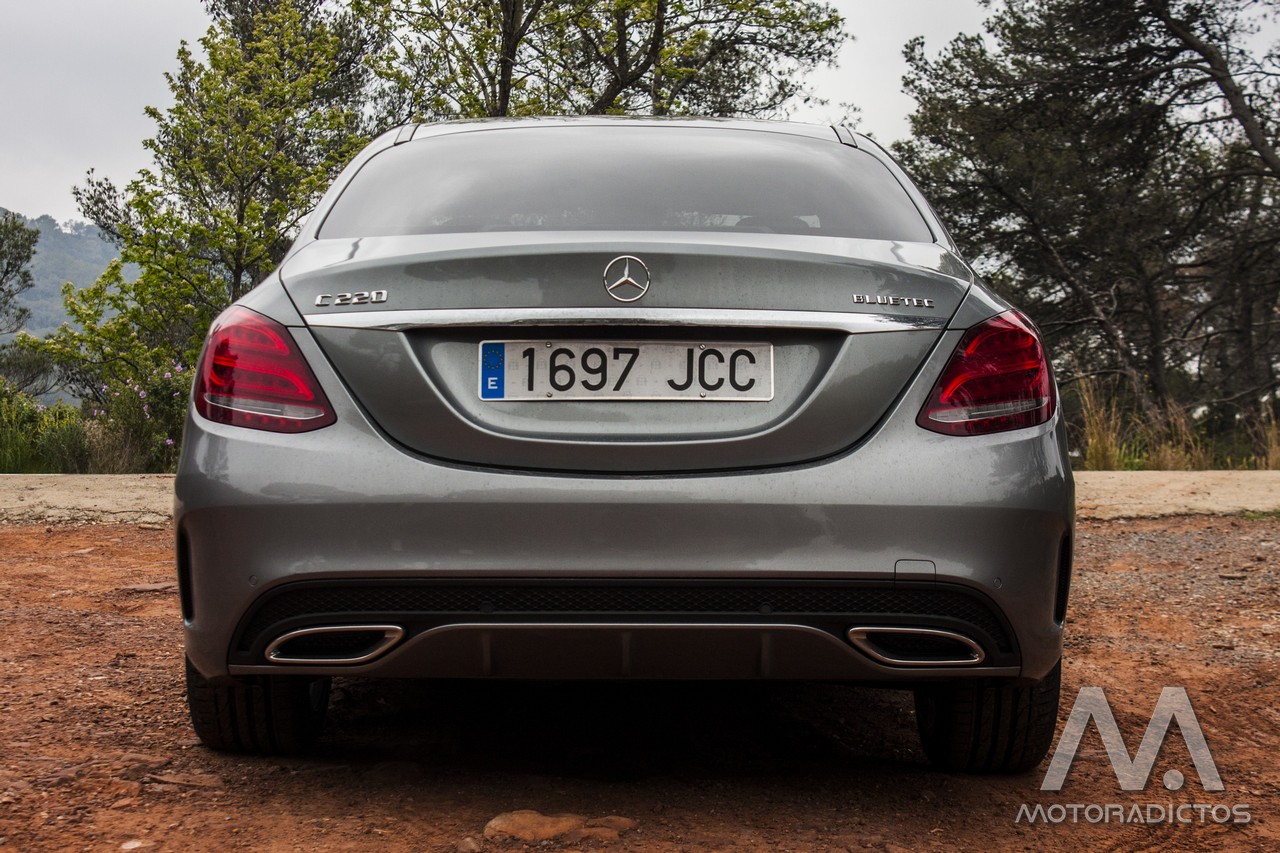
x=620, y=398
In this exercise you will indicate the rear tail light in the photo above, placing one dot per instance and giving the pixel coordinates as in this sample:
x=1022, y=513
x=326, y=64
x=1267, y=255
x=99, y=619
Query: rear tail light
x=252, y=375
x=997, y=380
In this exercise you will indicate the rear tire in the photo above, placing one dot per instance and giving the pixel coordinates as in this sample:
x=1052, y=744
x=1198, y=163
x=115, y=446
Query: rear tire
x=988, y=728
x=268, y=714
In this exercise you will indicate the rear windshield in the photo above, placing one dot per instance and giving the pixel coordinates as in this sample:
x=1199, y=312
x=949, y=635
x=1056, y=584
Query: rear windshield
x=629, y=178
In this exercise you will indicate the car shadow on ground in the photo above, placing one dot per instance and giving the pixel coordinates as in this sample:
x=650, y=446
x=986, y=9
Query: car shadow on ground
x=622, y=731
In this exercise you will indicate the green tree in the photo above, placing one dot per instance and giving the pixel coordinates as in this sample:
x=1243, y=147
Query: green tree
x=507, y=57
x=1108, y=165
x=356, y=38
x=716, y=57
x=21, y=370
x=1188, y=59
x=17, y=248
x=256, y=132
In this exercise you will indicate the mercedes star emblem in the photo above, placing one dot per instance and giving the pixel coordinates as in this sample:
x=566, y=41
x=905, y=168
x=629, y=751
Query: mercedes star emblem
x=626, y=278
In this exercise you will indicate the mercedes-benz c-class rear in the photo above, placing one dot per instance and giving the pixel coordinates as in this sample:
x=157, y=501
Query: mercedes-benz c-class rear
x=626, y=399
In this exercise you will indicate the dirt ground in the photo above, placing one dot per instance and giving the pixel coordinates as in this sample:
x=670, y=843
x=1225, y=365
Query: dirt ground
x=96, y=752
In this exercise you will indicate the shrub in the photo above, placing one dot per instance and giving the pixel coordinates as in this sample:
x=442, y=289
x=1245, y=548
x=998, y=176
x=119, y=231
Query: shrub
x=138, y=425
x=35, y=438
x=135, y=427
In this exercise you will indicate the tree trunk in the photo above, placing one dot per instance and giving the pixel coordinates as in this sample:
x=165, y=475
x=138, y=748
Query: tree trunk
x=1226, y=83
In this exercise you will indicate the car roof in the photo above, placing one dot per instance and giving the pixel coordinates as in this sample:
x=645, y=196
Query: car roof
x=441, y=128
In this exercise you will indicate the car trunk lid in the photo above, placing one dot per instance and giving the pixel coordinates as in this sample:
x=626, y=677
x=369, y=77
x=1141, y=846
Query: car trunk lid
x=843, y=324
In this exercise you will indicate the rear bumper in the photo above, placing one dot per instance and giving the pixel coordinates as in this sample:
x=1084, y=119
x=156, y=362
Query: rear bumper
x=620, y=628
x=632, y=650
x=259, y=513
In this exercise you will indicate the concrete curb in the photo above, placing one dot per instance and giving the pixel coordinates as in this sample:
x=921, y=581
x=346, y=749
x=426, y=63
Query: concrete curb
x=1151, y=494
x=148, y=498
x=86, y=498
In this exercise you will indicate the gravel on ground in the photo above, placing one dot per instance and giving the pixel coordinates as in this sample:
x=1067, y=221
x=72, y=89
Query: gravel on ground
x=97, y=753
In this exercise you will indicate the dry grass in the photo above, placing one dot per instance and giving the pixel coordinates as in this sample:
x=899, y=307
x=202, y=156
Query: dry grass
x=1112, y=440
x=113, y=451
x=1266, y=440
x=1102, y=432
x=1174, y=445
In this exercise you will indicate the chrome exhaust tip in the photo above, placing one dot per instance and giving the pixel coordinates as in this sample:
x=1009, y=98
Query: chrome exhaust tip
x=901, y=646
x=333, y=644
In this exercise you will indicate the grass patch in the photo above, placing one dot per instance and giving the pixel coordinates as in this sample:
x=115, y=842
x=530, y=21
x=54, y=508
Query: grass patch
x=1260, y=515
x=1110, y=436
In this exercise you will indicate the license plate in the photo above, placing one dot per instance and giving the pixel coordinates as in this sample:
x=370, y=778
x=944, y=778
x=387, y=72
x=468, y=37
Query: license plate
x=626, y=370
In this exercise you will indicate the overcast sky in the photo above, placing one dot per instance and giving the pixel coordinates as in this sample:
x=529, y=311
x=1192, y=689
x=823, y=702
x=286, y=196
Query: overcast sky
x=77, y=74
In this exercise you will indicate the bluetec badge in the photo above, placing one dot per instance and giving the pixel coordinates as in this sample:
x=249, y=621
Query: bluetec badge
x=493, y=379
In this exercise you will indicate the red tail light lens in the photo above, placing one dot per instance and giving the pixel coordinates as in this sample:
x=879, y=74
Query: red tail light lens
x=252, y=375
x=997, y=379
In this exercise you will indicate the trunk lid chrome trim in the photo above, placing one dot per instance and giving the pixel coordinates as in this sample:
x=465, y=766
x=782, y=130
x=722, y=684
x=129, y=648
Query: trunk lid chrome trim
x=403, y=320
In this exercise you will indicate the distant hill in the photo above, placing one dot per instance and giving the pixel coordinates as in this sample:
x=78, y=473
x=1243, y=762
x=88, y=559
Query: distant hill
x=74, y=252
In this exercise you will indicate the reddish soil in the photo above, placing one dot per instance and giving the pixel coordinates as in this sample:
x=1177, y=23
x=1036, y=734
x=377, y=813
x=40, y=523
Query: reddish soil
x=96, y=752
